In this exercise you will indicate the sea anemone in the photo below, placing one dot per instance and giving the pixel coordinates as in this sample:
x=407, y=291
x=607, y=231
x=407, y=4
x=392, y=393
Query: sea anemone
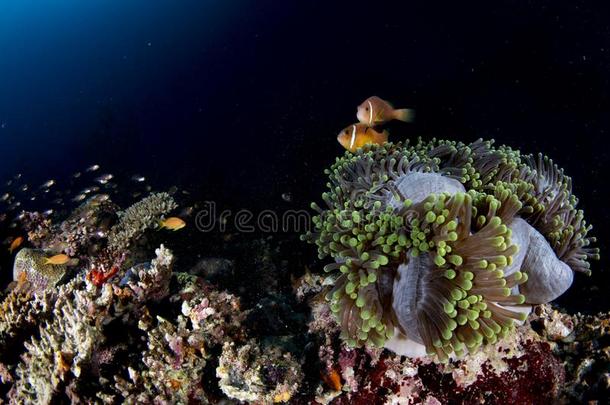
x=445, y=243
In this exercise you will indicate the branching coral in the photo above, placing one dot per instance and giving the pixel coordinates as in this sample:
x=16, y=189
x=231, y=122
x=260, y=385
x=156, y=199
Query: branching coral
x=21, y=310
x=436, y=240
x=138, y=218
x=65, y=344
x=152, y=281
x=67, y=340
x=174, y=363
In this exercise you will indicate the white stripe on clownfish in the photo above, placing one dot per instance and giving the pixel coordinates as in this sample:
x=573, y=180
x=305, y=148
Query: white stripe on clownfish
x=370, y=112
x=351, y=144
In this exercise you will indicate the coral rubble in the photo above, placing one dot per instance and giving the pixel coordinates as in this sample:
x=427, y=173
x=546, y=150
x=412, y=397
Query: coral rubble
x=258, y=375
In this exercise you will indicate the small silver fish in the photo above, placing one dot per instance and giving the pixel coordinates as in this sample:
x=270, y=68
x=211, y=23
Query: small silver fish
x=93, y=168
x=79, y=197
x=48, y=183
x=48, y=212
x=14, y=206
x=138, y=179
x=104, y=179
x=17, y=176
x=186, y=212
x=287, y=197
x=24, y=188
x=5, y=197
x=90, y=190
x=76, y=175
x=8, y=183
x=101, y=197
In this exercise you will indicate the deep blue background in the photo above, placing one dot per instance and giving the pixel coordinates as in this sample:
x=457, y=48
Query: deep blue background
x=243, y=99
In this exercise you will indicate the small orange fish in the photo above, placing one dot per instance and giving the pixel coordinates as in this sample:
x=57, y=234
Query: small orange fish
x=357, y=135
x=172, y=223
x=376, y=111
x=15, y=244
x=333, y=380
x=57, y=259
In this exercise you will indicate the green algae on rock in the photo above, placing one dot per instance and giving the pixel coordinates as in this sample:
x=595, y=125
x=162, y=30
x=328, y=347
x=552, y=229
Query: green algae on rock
x=442, y=243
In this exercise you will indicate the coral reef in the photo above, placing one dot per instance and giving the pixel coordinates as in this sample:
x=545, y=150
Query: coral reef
x=136, y=219
x=30, y=265
x=260, y=375
x=216, y=315
x=65, y=345
x=438, y=244
x=21, y=310
x=583, y=344
x=145, y=336
x=173, y=365
x=74, y=331
x=84, y=232
x=557, y=358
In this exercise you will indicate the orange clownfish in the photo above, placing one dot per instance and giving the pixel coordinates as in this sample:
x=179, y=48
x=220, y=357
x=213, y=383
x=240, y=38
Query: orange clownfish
x=376, y=111
x=357, y=135
x=15, y=244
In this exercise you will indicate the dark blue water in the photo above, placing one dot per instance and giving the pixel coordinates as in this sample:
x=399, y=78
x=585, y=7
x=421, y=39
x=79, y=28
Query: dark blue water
x=242, y=100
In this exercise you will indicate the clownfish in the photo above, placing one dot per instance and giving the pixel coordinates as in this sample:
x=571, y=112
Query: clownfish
x=376, y=111
x=357, y=135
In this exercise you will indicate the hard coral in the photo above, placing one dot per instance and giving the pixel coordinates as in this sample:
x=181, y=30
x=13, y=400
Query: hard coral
x=137, y=219
x=521, y=368
x=173, y=368
x=30, y=265
x=58, y=359
x=84, y=231
x=251, y=373
x=435, y=241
